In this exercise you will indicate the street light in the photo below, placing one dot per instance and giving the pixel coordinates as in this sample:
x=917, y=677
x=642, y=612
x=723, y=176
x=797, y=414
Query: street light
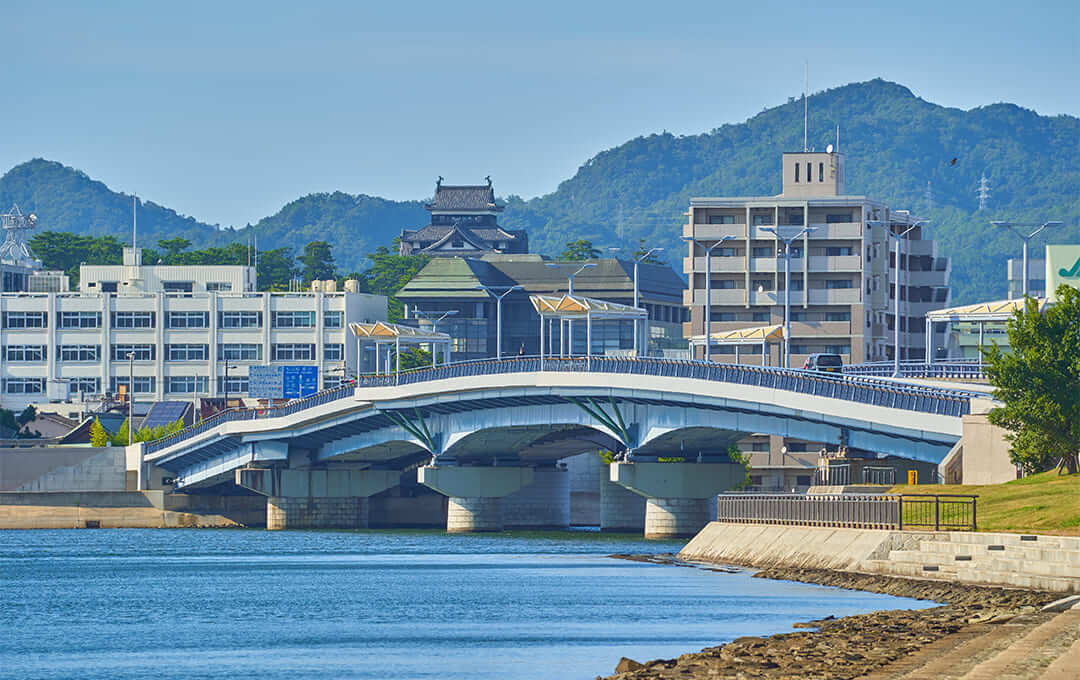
x=430, y=316
x=131, y=398
x=787, y=285
x=227, y=367
x=570, y=291
x=498, y=311
x=1013, y=228
x=708, y=285
x=637, y=261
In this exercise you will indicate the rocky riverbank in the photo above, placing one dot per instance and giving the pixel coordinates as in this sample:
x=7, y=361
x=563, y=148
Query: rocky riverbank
x=845, y=648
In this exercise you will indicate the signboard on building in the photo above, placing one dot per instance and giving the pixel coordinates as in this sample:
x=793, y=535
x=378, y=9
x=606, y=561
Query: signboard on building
x=265, y=382
x=1062, y=267
x=282, y=382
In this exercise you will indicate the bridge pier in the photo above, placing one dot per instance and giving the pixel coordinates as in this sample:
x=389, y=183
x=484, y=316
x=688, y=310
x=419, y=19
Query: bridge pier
x=544, y=504
x=475, y=494
x=681, y=497
x=316, y=499
x=621, y=510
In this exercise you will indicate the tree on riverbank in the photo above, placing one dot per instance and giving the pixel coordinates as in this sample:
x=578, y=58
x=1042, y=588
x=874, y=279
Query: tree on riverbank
x=1039, y=384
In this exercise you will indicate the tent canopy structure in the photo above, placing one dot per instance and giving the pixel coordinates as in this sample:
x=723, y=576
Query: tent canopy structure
x=394, y=335
x=743, y=336
x=1001, y=310
x=578, y=307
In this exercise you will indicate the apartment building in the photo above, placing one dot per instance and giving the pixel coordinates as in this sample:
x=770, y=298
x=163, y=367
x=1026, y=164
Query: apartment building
x=843, y=270
x=1036, y=277
x=180, y=337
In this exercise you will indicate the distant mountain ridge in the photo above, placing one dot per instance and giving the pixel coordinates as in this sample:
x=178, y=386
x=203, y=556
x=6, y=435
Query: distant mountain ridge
x=895, y=144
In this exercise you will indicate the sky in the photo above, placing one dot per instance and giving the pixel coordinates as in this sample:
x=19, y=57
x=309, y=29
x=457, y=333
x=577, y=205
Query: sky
x=226, y=111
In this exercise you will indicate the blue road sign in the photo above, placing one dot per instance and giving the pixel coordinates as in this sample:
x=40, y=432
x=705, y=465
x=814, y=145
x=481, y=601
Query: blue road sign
x=266, y=382
x=299, y=381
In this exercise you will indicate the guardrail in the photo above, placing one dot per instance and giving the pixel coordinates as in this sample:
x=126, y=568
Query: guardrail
x=863, y=390
x=860, y=511
x=946, y=370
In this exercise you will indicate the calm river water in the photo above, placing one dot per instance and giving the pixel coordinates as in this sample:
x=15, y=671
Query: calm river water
x=226, y=604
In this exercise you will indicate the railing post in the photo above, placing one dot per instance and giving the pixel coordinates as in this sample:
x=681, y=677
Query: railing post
x=974, y=524
x=900, y=512
x=937, y=516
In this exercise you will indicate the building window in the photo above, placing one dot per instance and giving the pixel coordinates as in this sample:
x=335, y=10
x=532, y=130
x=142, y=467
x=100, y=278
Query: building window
x=724, y=349
x=838, y=218
x=78, y=319
x=725, y=252
x=838, y=251
x=292, y=319
x=798, y=315
x=177, y=286
x=292, y=352
x=140, y=352
x=84, y=385
x=25, y=320
x=236, y=384
x=838, y=316
x=133, y=319
x=240, y=352
x=759, y=446
x=834, y=284
x=809, y=172
x=796, y=172
x=218, y=286
x=333, y=319
x=762, y=316
x=25, y=353
x=724, y=284
x=721, y=219
x=761, y=220
x=725, y=316
x=838, y=349
x=333, y=352
x=796, y=284
x=186, y=384
x=802, y=480
x=24, y=385
x=188, y=319
x=187, y=352
x=796, y=252
x=761, y=284
x=240, y=319
x=821, y=172
x=80, y=352
x=762, y=251
x=144, y=384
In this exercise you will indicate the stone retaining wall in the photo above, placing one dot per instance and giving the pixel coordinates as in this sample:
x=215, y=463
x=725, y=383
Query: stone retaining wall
x=127, y=509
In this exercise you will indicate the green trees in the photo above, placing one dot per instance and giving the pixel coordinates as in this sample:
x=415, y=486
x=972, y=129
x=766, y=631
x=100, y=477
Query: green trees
x=653, y=258
x=99, y=436
x=317, y=261
x=1039, y=383
x=580, y=249
x=388, y=273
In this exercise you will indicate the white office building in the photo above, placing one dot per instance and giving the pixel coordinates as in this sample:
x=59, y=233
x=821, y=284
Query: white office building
x=182, y=327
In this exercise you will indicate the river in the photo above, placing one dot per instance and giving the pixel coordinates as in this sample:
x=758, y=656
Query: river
x=122, y=604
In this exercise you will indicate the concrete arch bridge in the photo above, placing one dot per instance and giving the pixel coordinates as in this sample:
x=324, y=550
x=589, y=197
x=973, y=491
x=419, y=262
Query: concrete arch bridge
x=481, y=431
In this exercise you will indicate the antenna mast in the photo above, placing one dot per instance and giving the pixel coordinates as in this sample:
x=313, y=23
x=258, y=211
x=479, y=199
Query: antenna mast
x=983, y=192
x=134, y=219
x=806, y=86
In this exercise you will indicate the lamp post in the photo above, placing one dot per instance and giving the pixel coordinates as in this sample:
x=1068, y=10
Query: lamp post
x=708, y=285
x=506, y=290
x=430, y=316
x=787, y=285
x=131, y=398
x=227, y=367
x=638, y=260
x=1025, y=238
x=896, y=314
x=570, y=291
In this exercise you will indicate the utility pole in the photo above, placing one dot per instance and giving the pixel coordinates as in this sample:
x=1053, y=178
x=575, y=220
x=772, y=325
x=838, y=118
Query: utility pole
x=787, y=285
x=708, y=285
x=1014, y=228
x=498, y=311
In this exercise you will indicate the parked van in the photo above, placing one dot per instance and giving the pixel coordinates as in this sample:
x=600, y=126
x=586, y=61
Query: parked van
x=826, y=363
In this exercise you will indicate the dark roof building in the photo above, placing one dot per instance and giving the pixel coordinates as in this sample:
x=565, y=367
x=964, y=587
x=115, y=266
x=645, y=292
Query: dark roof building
x=452, y=284
x=464, y=223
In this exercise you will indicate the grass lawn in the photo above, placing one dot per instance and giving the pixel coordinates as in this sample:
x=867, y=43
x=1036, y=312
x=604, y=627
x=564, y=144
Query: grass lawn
x=1044, y=504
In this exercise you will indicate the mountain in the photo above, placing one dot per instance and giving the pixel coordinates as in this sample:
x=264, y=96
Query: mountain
x=895, y=144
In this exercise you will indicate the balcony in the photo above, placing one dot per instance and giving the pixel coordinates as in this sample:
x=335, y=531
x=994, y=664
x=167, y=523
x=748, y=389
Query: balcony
x=728, y=265
x=710, y=232
x=835, y=263
x=848, y=230
x=835, y=296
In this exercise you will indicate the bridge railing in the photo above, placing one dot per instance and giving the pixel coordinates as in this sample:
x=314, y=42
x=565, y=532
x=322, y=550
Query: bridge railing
x=939, y=512
x=968, y=369
x=858, y=389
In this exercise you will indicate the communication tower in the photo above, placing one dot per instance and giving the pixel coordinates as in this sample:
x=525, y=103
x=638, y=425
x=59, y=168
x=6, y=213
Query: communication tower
x=983, y=192
x=17, y=228
x=929, y=197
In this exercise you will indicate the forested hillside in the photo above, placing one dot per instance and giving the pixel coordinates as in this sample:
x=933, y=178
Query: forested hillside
x=897, y=146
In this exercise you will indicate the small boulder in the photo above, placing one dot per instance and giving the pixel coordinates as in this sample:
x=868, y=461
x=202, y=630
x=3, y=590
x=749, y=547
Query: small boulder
x=626, y=665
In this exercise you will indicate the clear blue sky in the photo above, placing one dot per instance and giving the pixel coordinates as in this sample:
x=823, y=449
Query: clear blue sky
x=227, y=110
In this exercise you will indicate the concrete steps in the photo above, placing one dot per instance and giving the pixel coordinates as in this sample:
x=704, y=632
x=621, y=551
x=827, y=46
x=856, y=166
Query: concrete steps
x=1021, y=552
x=992, y=561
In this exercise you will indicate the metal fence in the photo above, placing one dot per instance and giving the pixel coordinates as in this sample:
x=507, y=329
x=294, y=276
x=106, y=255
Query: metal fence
x=857, y=389
x=886, y=511
x=945, y=370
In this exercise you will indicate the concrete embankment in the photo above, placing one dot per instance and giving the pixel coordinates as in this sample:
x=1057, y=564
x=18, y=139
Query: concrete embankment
x=127, y=509
x=1050, y=563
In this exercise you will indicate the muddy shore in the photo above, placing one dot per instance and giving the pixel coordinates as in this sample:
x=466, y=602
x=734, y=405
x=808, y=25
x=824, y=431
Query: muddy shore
x=844, y=648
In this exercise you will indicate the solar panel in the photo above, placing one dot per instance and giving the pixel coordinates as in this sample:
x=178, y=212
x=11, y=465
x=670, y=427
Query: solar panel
x=165, y=413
